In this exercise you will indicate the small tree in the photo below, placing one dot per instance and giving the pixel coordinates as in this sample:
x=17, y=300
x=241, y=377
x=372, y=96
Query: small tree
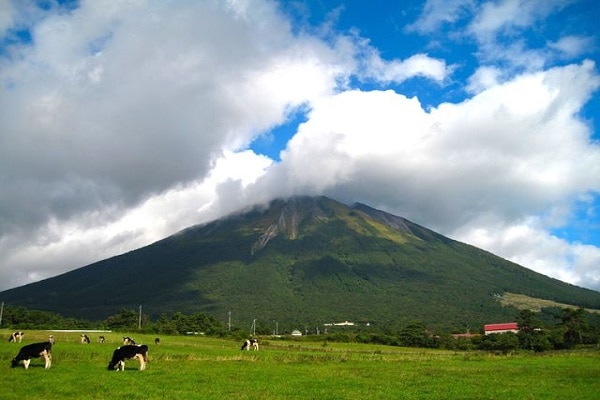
x=166, y=325
x=531, y=334
x=575, y=324
x=503, y=342
x=125, y=320
x=414, y=335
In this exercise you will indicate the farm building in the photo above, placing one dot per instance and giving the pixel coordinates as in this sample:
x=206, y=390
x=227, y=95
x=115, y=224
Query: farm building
x=296, y=332
x=501, y=328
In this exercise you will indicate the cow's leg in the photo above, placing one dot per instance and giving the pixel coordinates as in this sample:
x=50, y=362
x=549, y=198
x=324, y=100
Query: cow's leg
x=142, y=361
x=47, y=358
x=26, y=363
x=121, y=366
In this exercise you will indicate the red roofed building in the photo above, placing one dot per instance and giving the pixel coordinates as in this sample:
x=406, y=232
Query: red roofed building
x=501, y=328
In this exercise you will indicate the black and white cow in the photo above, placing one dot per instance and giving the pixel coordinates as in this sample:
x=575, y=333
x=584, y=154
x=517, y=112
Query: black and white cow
x=128, y=340
x=85, y=339
x=16, y=337
x=34, y=350
x=128, y=352
x=250, y=343
x=101, y=339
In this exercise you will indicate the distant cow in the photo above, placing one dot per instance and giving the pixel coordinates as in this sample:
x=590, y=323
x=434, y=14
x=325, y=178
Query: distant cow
x=34, y=350
x=51, y=339
x=250, y=343
x=16, y=337
x=128, y=340
x=101, y=339
x=157, y=341
x=85, y=339
x=126, y=353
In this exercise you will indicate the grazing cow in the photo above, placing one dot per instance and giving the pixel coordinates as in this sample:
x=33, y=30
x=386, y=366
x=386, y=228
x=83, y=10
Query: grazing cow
x=128, y=352
x=85, y=339
x=250, y=343
x=34, y=350
x=157, y=341
x=16, y=337
x=101, y=339
x=128, y=340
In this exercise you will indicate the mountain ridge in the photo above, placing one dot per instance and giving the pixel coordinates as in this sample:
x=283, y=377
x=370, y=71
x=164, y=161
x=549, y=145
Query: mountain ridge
x=304, y=260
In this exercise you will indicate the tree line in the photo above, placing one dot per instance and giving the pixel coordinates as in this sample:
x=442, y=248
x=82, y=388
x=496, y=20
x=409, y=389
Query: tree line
x=552, y=329
x=125, y=320
x=569, y=329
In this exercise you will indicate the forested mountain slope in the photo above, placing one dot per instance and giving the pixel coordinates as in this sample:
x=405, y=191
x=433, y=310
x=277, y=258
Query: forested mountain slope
x=303, y=261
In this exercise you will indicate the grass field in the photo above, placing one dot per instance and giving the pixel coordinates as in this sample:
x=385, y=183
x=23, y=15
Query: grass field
x=197, y=367
x=523, y=302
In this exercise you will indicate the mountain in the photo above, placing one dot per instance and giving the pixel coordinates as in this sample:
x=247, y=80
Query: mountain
x=303, y=261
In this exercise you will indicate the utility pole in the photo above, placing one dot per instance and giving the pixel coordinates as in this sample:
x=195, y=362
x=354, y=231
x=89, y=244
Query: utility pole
x=140, y=319
x=254, y=327
x=1, y=312
x=229, y=320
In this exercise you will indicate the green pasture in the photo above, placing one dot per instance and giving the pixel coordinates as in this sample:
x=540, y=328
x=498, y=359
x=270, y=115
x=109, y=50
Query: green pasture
x=198, y=367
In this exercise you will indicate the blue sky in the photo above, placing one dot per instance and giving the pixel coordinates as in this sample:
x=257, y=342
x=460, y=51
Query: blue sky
x=124, y=122
x=389, y=26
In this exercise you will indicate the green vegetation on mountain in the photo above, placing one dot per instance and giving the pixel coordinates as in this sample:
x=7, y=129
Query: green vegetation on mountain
x=304, y=262
x=523, y=302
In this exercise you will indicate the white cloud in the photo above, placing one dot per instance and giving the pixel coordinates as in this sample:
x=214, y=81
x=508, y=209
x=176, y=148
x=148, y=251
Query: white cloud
x=500, y=29
x=525, y=243
x=540, y=251
x=572, y=46
x=507, y=17
x=438, y=12
x=6, y=13
x=91, y=89
x=367, y=64
x=484, y=78
x=418, y=65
